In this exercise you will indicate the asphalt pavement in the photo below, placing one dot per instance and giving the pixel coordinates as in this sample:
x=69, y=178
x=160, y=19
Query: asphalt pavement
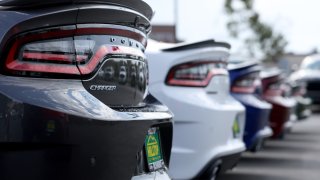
x=296, y=157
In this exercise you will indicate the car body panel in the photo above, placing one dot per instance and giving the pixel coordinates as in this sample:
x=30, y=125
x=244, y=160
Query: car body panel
x=282, y=107
x=257, y=110
x=309, y=74
x=203, y=117
x=55, y=128
x=257, y=119
x=64, y=121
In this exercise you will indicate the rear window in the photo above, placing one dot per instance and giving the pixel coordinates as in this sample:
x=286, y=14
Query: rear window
x=311, y=64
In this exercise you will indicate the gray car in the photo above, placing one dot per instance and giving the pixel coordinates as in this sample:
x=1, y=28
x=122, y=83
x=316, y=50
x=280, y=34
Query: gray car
x=309, y=73
x=68, y=107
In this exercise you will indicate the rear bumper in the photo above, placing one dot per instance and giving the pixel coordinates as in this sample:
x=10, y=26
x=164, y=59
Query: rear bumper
x=303, y=107
x=202, y=128
x=264, y=133
x=195, y=161
x=225, y=163
x=158, y=175
x=280, y=113
x=56, y=130
x=229, y=162
x=289, y=124
x=314, y=95
x=257, y=119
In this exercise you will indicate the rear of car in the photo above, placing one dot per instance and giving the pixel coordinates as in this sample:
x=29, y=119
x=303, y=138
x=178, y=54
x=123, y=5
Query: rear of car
x=309, y=74
x=282, y=114
x=74, y=92
x=298, y=91
x=245, y=81
x=192, y=80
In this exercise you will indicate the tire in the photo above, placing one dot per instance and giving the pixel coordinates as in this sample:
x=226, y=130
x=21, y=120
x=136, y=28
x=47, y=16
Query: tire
x=212, y=172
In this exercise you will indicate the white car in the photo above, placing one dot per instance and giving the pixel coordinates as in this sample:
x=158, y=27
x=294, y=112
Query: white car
x=192, y=80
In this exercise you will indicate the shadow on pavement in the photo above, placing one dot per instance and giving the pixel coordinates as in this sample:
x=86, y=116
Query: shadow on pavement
x=286, y=148
x=295, y=157
x=304, y=133
x=243, y=176
x=274, y=163
x=302, y=139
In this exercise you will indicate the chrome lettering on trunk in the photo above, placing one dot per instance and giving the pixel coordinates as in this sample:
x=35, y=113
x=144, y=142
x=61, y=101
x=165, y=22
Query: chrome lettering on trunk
x=102, y=88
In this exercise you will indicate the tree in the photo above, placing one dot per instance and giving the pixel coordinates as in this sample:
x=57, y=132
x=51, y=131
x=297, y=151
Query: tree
x=258, y=36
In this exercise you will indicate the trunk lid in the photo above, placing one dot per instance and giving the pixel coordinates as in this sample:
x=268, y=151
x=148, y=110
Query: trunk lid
x=101, y=43
x=201, y=64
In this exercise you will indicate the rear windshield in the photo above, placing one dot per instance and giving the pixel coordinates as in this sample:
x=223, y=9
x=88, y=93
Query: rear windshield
x=311, y=64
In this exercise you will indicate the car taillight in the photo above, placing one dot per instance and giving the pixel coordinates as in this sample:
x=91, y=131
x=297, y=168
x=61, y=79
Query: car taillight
x=274, y=89
x=286, y=90
x=247, y=84
x=67, y=50
x=46, y=51
x=299, y=91
x=195, y=74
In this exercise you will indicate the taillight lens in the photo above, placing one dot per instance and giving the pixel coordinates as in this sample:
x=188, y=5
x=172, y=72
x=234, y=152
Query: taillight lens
x=274, y=89
x=57, y=51
x=67, y=51
x=286, y=90
x=195, y=74
x=247, y=84
x=49, y=56
x=299, y=91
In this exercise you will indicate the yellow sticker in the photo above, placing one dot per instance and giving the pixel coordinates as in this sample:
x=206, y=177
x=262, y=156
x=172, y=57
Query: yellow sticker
x=152, y=145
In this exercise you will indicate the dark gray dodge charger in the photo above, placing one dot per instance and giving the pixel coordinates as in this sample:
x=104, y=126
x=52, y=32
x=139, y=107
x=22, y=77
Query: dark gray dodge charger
x=74, y=102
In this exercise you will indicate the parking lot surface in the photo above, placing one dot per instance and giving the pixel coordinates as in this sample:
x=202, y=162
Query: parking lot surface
x=296, y=157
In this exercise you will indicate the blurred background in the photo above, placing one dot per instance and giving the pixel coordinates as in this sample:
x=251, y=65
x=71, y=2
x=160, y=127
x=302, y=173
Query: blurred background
x=278, y=33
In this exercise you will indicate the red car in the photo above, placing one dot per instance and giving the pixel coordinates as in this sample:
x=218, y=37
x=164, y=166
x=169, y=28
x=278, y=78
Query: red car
x=281, y=117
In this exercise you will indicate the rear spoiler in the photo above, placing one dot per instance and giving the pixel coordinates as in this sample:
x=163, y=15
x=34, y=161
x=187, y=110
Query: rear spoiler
x=137, y=5
x=195, y=45
x=242, y=65
x=271, y=73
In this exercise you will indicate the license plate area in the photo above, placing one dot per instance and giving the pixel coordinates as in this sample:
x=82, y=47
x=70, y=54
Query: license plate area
x=236, y=128
x=153, y=150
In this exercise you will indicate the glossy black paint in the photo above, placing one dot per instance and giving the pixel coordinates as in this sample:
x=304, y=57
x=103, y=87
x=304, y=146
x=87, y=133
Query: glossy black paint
x=18, y=20
x=313, y=88
x=139, y=6
x=125, y=80
x=200, y=44
x=58, y=129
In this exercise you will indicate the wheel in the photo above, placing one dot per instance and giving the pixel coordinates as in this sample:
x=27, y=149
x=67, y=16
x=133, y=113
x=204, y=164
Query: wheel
x=212, y=172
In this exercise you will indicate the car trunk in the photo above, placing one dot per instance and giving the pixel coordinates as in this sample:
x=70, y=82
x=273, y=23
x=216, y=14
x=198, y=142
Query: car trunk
x=100, y=42
x=64, y=63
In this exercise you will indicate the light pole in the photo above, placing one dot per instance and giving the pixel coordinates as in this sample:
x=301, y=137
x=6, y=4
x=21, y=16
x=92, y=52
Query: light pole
x=176, y=18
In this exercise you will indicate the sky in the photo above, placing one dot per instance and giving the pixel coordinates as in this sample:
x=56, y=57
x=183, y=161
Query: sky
x=203, y=19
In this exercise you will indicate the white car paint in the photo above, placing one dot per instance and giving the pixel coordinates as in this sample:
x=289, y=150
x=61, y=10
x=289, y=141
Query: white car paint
x=203, y=117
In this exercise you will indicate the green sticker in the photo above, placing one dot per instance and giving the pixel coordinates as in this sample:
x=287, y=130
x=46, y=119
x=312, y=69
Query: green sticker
x=236, y=128
x=153, y=150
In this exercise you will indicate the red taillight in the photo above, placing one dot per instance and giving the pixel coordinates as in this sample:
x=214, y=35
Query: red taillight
x=47, y=56
x=195, y=74
x=40, y=51
x=247, y=84
x=67, y=51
